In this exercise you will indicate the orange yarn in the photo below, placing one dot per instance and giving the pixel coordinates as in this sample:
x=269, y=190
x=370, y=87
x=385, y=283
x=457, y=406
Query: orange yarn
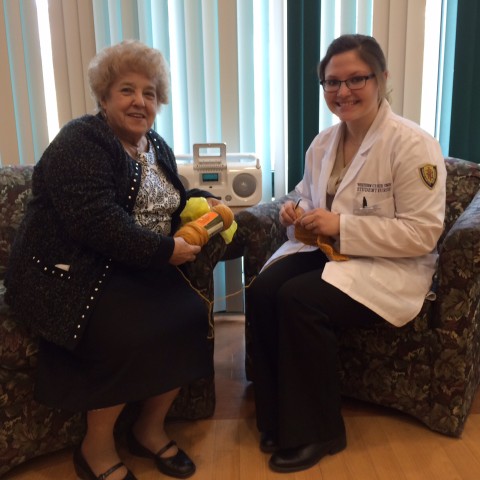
x=199, y=231
x=324, y=243
x=225, y=213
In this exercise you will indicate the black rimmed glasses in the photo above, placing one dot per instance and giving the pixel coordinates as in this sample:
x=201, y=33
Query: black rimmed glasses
x=354, y=83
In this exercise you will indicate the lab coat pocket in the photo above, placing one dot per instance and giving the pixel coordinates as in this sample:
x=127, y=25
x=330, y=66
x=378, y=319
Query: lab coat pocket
x=407, y=277
x=381, y=207
x=388, y=274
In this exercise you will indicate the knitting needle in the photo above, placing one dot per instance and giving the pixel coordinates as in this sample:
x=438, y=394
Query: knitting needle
x=295, y=207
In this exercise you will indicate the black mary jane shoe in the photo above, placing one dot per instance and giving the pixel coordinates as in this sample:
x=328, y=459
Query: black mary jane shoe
x=296, y=459
x=84, y=472
x=268, y=443
x=178, y=465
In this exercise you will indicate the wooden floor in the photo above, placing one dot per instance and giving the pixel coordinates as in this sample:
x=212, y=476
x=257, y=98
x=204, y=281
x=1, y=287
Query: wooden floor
x=382, y=445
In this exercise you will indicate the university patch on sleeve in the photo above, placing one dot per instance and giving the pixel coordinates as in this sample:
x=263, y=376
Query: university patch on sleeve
x=428, y=173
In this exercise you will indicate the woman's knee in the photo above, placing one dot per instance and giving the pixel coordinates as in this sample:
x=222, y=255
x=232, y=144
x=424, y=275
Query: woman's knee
x=260, y=290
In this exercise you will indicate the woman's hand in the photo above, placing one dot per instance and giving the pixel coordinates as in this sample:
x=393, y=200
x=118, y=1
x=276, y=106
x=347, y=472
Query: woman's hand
x=288, y=213
x=321, y=222
x=212, y=202
x=183, y=252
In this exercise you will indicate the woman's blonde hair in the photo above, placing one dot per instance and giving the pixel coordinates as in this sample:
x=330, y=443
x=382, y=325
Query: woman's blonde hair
x=128, y=56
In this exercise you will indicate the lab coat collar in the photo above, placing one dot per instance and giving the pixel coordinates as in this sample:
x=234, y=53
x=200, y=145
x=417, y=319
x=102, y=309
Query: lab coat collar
x=374, y=131
x=370, y=138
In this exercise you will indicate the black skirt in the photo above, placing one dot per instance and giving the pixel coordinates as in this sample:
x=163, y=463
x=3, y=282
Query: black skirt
x=147, y=335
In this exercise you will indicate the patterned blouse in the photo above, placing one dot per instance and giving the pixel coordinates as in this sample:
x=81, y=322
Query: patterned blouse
x=157, y=198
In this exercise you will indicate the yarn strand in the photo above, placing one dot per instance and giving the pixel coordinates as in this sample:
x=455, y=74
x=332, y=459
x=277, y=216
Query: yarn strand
x=211, y=302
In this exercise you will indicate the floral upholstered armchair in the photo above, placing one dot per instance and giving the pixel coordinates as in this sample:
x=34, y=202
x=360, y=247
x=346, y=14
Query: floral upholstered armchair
x=28, y=429
x=429, y=368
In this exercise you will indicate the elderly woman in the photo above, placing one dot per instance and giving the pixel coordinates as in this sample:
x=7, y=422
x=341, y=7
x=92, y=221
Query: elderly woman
x=94, y=269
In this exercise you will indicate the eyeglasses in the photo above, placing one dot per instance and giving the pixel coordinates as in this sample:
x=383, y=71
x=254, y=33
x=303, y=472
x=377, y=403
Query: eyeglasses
x=354, y=83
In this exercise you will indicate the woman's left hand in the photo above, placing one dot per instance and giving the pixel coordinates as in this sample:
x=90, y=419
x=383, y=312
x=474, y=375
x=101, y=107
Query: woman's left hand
x=321, y=222
x=212, y=202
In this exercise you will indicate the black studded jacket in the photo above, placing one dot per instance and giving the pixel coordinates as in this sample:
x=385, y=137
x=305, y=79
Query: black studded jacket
x=79, y=226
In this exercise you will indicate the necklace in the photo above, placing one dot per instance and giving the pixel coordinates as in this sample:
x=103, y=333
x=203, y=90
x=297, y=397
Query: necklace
x=350, y=138
x=349, y=150
x=355, y=143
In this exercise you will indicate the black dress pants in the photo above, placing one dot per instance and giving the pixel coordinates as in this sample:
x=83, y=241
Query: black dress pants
x=293, y=315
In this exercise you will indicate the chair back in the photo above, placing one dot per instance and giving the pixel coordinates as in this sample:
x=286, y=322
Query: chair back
x=463, y=183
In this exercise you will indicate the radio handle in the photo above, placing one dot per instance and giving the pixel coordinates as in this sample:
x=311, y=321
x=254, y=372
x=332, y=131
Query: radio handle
x=202, y=160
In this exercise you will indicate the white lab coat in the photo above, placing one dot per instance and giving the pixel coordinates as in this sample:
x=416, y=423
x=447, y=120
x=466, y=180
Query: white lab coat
x=391, y=241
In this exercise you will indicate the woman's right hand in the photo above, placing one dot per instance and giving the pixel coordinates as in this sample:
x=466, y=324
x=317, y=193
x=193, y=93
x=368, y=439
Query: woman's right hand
x=288, y=213
x=183, y=252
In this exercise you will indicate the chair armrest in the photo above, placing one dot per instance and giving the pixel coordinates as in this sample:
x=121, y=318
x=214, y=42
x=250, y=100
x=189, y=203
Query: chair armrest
x=200, y=272
x=458, y=291
x=259, y=235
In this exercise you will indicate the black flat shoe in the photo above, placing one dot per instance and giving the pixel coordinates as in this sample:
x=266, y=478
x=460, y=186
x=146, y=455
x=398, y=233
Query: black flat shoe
x=295, y=459
x=84, y=472
x=178, y=465
x=268, y=443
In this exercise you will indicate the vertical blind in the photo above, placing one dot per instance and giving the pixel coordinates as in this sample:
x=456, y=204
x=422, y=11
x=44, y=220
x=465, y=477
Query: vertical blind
x=446, y=68
x=23, y=132
x=226, y=61
x=398, y=28
x=228, y=67
x=23, y=116
x=465, y=123
x=73, y=45
x=350, y=16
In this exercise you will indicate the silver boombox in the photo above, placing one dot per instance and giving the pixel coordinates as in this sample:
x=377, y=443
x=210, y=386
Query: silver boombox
x=235, y=177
